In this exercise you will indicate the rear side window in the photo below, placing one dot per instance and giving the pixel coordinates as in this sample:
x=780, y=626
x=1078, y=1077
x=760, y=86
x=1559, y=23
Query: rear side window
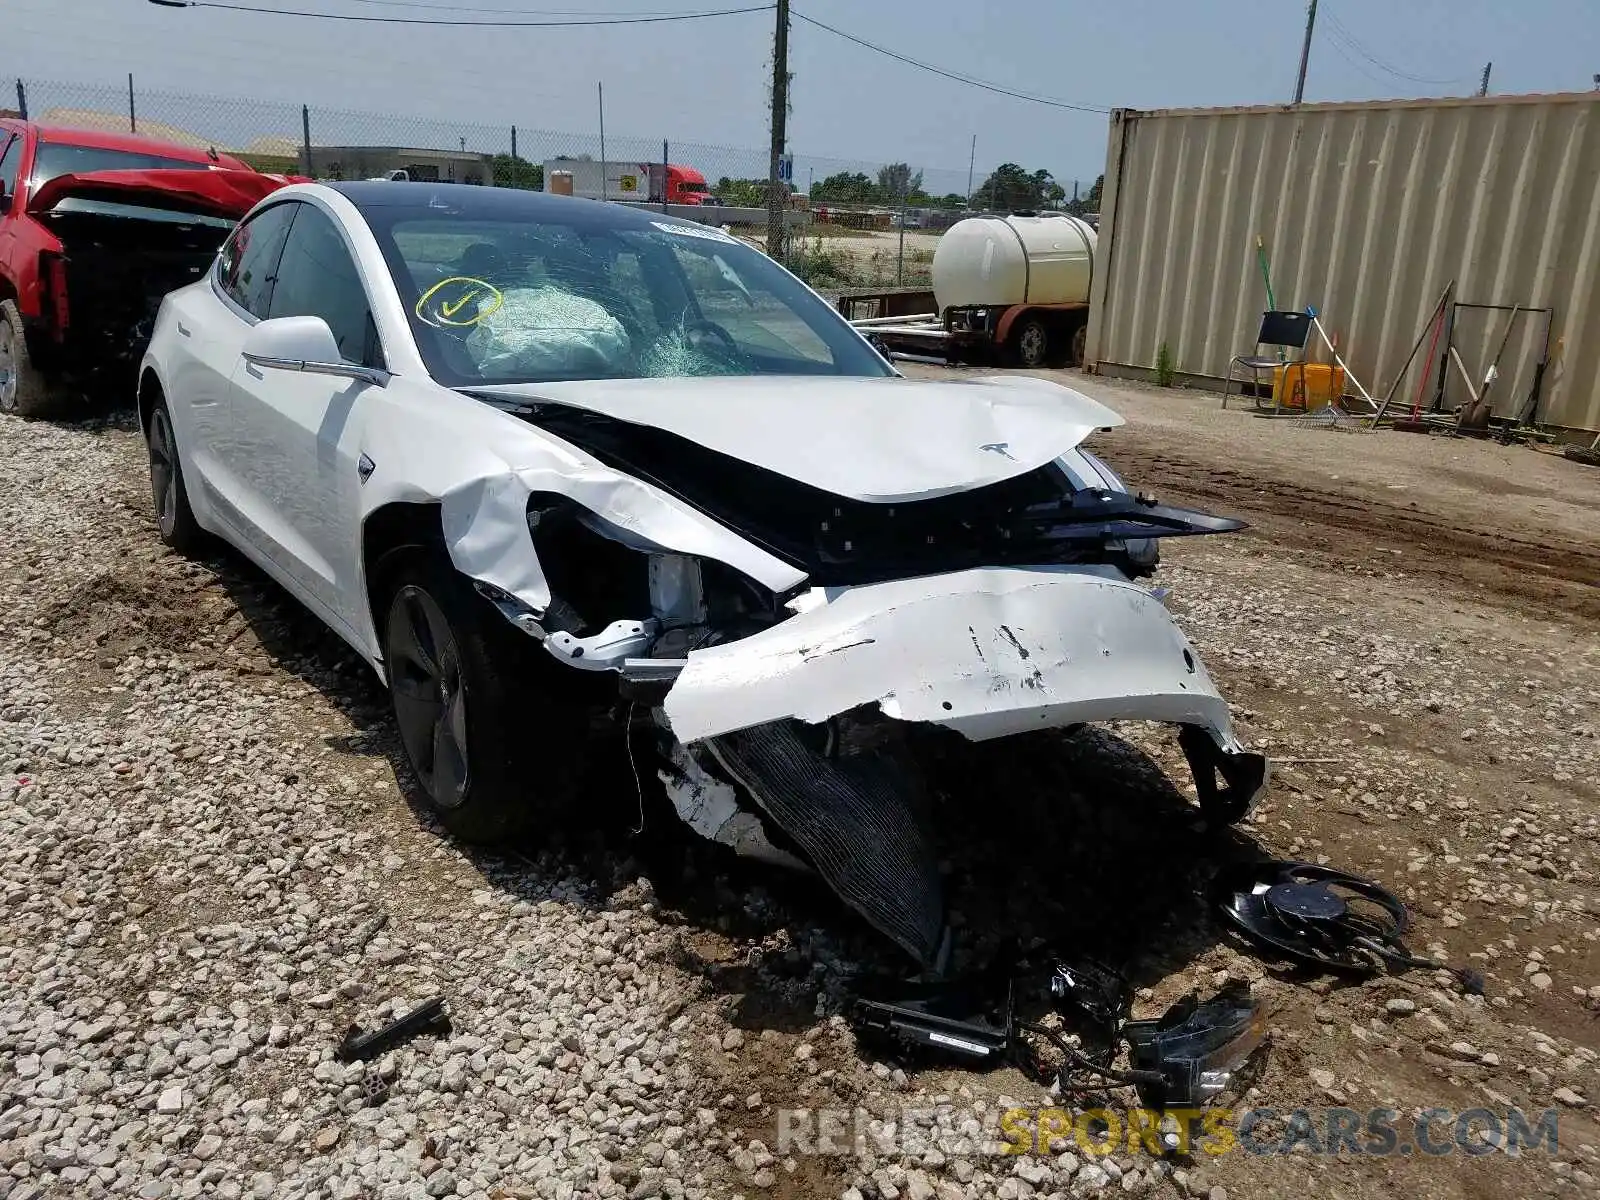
x=249, y=258
x=54, y=159
x=8, y=164
x=318, y=278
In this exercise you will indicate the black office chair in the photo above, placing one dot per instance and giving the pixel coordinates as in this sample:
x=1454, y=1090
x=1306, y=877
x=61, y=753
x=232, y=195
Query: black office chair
x=1285, y=330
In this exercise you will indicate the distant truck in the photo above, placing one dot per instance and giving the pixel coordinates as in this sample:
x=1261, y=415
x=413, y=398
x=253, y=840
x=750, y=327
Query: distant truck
x=651, y=182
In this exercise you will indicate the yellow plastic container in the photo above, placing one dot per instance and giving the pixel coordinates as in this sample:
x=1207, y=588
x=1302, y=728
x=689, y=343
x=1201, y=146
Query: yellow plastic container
x=1306, y=385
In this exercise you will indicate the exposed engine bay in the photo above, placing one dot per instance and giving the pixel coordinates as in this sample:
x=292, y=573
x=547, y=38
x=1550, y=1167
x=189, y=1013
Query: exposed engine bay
x=780, y=717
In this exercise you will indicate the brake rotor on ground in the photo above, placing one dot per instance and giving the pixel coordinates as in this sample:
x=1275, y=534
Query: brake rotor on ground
x=1315, y=915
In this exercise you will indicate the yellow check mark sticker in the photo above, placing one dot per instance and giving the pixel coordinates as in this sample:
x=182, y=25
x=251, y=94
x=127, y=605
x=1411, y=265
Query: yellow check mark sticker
x=441, y=303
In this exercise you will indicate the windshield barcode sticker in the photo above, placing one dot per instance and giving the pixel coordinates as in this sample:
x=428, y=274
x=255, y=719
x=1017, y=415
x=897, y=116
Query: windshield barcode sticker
x=695, y=231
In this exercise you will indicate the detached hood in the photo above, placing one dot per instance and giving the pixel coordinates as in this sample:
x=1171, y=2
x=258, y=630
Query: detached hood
x=873, y=440
x=215, y=192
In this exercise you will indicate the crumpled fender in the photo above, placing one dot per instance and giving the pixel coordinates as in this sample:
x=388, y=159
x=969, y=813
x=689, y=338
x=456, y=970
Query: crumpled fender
x=480, y=465
x=485, y=528
x=988, y=652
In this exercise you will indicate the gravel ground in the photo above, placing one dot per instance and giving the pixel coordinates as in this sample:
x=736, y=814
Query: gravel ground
x=212, y=865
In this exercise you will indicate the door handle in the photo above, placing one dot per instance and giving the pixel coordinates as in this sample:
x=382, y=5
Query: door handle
x=253, y=371
x=183, y=329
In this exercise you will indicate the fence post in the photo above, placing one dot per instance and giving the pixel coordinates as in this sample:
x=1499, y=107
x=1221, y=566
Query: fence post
x=900, y=267
x=514, y=159
x=133, y=118
x=665, y=174
x=22, y=100
x=305, y=142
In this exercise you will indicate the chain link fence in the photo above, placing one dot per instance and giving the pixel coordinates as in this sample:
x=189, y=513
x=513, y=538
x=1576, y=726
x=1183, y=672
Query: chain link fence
x=854, y=224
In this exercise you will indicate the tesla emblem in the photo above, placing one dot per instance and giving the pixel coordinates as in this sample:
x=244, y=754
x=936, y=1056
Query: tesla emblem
x=365, y=467
x=998, y=448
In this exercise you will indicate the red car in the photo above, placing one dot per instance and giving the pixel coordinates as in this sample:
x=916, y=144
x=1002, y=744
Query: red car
x=95, y=228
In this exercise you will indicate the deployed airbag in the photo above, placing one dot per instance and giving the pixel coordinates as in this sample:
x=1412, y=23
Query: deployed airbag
x=547, y=330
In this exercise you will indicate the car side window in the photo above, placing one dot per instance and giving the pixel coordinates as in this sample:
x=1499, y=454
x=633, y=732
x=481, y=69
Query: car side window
x=249, y=258
x=9, y=162
x=317, y=277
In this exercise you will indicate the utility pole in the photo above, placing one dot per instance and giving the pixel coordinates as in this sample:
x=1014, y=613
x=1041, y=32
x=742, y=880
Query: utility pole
x=780, y=122
x=600, y=92
x=1305, y=53
x=1483, y=88
x=972, y=158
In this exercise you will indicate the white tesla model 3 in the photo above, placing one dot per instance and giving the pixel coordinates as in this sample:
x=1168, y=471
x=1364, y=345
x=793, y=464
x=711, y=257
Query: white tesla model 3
x=530, y=455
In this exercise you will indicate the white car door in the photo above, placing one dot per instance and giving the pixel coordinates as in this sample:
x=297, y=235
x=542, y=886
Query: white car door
x=209, y=323
x=299, y=434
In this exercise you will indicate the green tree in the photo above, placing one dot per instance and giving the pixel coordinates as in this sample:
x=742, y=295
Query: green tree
x=1088, y=201
x=846, y=187
x=517, y=172
x=898, y=181
x=1010, y=187
x=742, y=193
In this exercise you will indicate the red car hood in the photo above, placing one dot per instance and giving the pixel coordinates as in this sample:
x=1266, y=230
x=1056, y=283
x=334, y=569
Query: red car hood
x=218, y=192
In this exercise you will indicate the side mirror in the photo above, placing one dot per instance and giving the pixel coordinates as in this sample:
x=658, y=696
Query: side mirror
x=304, y=344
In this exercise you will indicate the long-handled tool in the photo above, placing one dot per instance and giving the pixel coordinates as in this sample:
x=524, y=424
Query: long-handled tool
x=1477, y=417
x=1266, y=278
x=1316, y=324
x=1434, y=323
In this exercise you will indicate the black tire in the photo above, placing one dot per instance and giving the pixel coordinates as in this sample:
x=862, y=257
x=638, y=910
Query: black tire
x=1080, y=343
x=1030, y=342
x=24, y=389
x=497, y=754
x=169, y=492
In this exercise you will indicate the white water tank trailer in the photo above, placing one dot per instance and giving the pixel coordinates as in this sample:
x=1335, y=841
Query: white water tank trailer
x=1018, y=283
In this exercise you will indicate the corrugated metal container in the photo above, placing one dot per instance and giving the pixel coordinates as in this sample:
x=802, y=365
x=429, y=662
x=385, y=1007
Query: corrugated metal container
x=1366, y=211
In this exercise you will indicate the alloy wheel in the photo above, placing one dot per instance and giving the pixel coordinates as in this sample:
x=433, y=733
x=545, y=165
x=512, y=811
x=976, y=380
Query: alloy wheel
x=163, y=471
x=430, y=703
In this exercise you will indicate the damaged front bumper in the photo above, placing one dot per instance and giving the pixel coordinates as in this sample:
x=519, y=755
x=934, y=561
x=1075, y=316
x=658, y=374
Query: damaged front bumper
x=988, y=652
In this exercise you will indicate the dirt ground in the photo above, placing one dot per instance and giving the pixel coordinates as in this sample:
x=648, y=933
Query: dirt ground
x=1410, y=628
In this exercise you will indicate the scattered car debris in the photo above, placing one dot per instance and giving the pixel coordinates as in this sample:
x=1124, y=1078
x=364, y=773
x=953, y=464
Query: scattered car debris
x=1321, y=916
x=1194, y=1050
x=1183, y=1059
x=359, y=1046
x=972, y=1019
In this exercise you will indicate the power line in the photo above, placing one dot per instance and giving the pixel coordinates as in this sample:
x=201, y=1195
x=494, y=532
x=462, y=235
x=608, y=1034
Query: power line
x=508, y=12
x=325, y=16
x=1342, y=33
x=955, y=75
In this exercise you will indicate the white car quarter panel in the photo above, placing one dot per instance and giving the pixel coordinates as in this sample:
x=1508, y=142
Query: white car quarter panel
x=194, y=345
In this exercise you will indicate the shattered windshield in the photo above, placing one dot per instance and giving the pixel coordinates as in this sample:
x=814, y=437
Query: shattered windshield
x=595, y=297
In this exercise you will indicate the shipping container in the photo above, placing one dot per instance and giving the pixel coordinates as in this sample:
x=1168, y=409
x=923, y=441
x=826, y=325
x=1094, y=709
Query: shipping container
x=1365, y=211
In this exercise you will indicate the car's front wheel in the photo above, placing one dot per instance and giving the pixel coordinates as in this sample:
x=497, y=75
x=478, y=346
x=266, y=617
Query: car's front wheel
x=498, y=757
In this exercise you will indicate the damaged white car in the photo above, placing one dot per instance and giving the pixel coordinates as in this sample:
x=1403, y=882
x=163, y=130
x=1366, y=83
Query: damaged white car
x=531, y=455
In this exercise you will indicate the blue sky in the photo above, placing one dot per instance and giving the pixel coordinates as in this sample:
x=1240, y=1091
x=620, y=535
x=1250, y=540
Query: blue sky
x=706, y=81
